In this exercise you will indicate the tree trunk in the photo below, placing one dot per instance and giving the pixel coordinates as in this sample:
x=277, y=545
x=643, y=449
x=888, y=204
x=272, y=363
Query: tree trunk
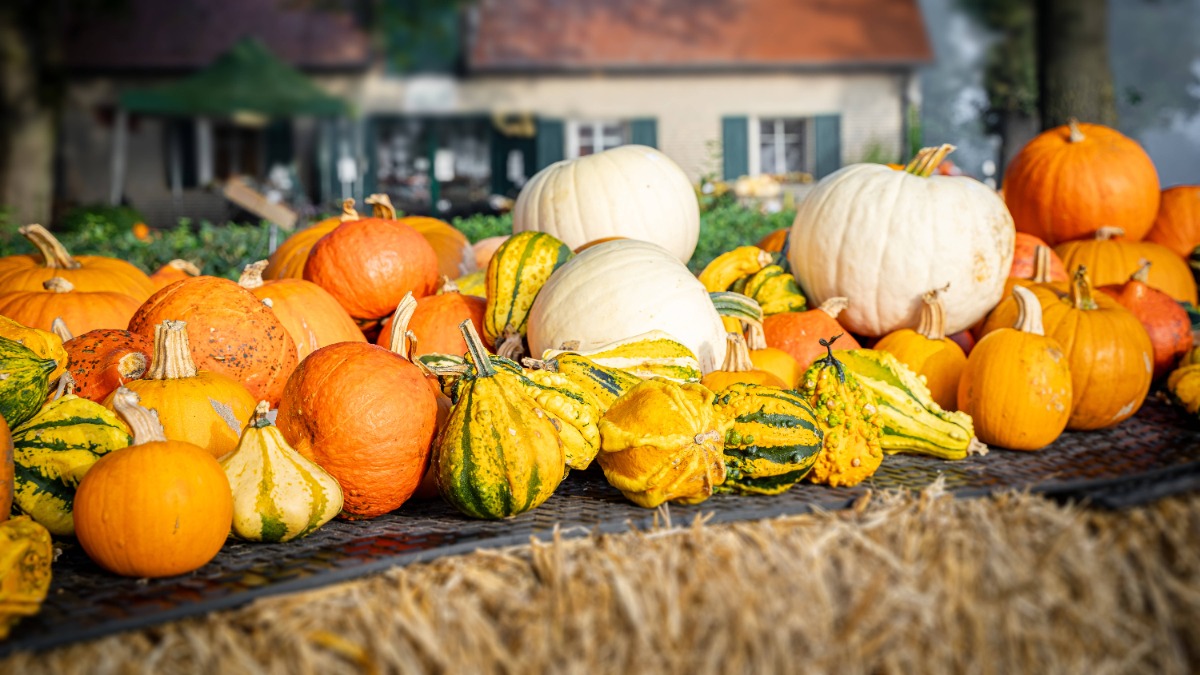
x=1074, y=78
x=27, y=129
x=1016, y=129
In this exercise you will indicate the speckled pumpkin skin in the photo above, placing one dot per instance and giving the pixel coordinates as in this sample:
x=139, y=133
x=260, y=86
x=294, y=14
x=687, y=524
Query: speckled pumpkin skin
x=230, y=331
x=94, y=360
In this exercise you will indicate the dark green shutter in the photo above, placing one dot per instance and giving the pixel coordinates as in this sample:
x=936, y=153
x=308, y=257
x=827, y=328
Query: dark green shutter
x=644, y=131
x=827, y=144
x=735, y=144
x=279, y=143
x=370, y=141
x=501, y=146
x=551, y=142
x=181, y=130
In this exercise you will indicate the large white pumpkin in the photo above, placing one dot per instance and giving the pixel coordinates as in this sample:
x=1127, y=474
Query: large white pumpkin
x=883, y=238
x=624, y=288
x=630, y=191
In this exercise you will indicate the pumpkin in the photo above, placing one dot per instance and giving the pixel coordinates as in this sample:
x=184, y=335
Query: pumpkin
x=367, y=416
x=24, y=381
x=652, y=354
x=774, y=440
x=6, y=470
x=775, y=361
x=278, y=494
x=1025, y=263
x=965, y=340
x=1111, y=258
x=88, y=273
x=157, y=508
x=287, y=262
x=882, y=238
x=203, y=408
x=929, y=353
x=435, y=321
x=312, y=317
x=515, y=276
x=629, y=191
x=485, y=248
x=739, y=368
x=595, y=242
x=1177, y=225
x=485, y=468
x=26, y=552
x=775, y=241
x=664, y=442
x=82, y=311
x=54, y=450
x=46, y=344
x=455, y=256
x=175, y=270
x=850, y=424
x=230, y=331
x=621, y=289
x=1070, y=181
x=1016, y=385
x=102, y=360
x=1165, y=321
x=1184, y=386
x=800, y=333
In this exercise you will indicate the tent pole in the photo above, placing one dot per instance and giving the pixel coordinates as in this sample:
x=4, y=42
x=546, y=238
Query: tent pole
x=120, y=140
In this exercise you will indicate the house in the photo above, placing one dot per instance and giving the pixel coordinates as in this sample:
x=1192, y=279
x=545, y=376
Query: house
x=460, y=105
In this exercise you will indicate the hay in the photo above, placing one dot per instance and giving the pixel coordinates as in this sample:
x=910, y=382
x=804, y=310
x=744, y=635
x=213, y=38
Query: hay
x=898, y=585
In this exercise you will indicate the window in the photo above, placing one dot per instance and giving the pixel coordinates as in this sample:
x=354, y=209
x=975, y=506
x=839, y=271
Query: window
x=592, y=136
x=783, y=145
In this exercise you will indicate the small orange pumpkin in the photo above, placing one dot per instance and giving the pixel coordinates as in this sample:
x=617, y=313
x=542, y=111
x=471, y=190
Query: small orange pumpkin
x=1165, y=320
x=1026, y=262
x=102, y=360
x=799, y=333
x=928, y=352
x=485, y=248
x=739, y=368
x=80, y=310
x=775, y=361
x=1177, y=225
x=287, y=262
x=88, y=273
x=311, y=316
x=1110, y=257
x=773, y=242
x=436, y=319
x=176, y=270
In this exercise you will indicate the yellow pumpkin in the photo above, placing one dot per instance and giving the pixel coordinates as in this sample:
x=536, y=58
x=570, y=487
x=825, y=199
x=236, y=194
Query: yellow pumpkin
x=929, y=353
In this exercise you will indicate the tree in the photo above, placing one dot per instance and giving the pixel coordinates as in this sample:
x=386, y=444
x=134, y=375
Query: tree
x=1074, y=76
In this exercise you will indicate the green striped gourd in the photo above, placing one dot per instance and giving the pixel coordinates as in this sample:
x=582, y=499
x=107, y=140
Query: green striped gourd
x=515, y=275
x=651, y=354
x=774, y=441
x=605, y=384
x=24, y=381
x=499, y=453
x=912, y=421
x=52, y=452
x=775, y=291
x=278, y=494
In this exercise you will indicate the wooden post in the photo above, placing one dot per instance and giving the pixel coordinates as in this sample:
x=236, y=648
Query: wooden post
x=120, y=138
x=204, y=151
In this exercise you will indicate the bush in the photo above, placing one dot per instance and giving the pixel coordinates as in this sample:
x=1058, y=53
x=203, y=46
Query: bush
x=481, y=226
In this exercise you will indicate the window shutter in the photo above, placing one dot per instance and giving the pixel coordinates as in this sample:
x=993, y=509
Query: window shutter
x=180, y=134
x=551, y=135
x=735, y=141
x=370, y=141
x=644, y=131
x=279, y=143
x=827, y=144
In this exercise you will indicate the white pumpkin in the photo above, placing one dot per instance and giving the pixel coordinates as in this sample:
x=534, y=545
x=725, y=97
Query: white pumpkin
x=631, y=191
x=882, y=238
x=624, y=288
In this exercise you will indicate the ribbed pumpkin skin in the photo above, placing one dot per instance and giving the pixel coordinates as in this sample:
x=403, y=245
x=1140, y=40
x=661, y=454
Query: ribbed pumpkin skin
x=95, y=360
x=43, y=343
x=515, y=275
x=208, y=410
x=6, y=471
x=369, y=264
x=24, y=381
x=798, y=334
x=1024, y=266
x=1165, y=321
x=95, y=273
x=774, y=441
x=287, y=262
x=940, y=361
x=1059, y=190
x=176, y=270
x=54, y=450
x=154, y=510
x=1177, y=225
x=81, y=311
x=365, y=415
x=435, y=323
x=231, y=332
x=455, y=256
x=312, y=317
x=1111, y=261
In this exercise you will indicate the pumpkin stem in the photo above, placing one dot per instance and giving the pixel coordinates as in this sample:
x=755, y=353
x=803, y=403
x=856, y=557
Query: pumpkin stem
x=259, y=419
x=1143, y=272
x=1075, y=134
x=54, y=254
x=976, y=447
x=348, y=212
x=510, y=345
x=834, y=306
x=1109, y=232
x=58, y=285
x=1041, y=265
x=829, y=360
x=737, y=355
x=59, y=328
x=928, y=160
x=569, y=346
x=478, y=355
x=448, y=285
x=143, y=422
x=933, y=315
x=399, y=342
x=537, y=364
x=1029, y=311
x=1081, y=290
x=756, y=338
x=172, y=352
x=252, y=275
x=381, y=206
x=66, y=386
x=185, y=266
x=411, y=338
x=132, y=366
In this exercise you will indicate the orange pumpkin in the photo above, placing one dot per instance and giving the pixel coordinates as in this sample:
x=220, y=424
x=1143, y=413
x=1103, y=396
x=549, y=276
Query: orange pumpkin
x=485, y=248
x=436, y=319
x=1177, y=225
x=287, y=262
x=1111, y=258
x=595, y=242
x=1165, y=320
x=81, y=311
x=775, y=361
x=1070, y=181
x=231, y=332
x=739, y=368
x=311, y=316
x=176, y=270
x=799, y=333
x=773, y=242
x=455, y=256
x=367, y=416
x=6, y=470
x=157, y=508
x=929, y=353
x=88, y=273
x=1025, y=261
x=102, y=360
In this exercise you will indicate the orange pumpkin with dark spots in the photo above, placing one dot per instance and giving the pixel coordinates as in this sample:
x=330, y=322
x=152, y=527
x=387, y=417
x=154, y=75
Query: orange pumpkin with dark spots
x=104, y=359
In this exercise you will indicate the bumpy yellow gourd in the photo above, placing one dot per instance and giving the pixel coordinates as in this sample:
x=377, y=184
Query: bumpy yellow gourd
x=651, y=354
x=43, y=343
x=603, y=383
x=851, y=451
x=25, y=556
x=730, y=266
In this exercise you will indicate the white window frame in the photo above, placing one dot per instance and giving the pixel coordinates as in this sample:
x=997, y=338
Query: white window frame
x=754, y=139
x=597, y=125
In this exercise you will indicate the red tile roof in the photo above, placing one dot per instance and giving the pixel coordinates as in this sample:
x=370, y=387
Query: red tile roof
x=148, y=35
x=515, y=35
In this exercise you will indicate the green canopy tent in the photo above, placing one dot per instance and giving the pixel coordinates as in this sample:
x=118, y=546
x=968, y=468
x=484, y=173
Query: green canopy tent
x=248, y=81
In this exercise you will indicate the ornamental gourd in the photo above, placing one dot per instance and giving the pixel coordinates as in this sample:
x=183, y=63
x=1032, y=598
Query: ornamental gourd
x=26, y=552
x=850, y=423
x=621, y=289
x=102, y=360
x=800, y=333
x=774, y=440
x=6, y=470
x=1177, y=225
x=929, y=353
x=287, y=262
x=1111, y=258
x=278, y=494
x=881, y=238
x=311, y=316
x=516, y=274
x=629, y=191
x=604, y=384
x=157, y=508
x=485, y=248
x=46, y=344
x=775, y=291
x=24, y=381
x=652, y=354
x=81, y=310
x=88, y=273
x=1165, y=321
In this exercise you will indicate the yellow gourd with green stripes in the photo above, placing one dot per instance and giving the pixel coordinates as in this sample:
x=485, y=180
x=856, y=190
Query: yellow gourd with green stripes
x=515, y=275
x=774, y=441
x=775, y=291
x=605, y=384
x=651, y=354
x=24, y=381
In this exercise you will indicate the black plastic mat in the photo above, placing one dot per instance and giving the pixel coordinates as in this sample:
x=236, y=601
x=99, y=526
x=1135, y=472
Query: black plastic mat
x=1149, y=456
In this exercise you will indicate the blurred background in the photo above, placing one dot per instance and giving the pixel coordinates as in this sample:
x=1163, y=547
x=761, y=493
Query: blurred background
x=450, y=106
